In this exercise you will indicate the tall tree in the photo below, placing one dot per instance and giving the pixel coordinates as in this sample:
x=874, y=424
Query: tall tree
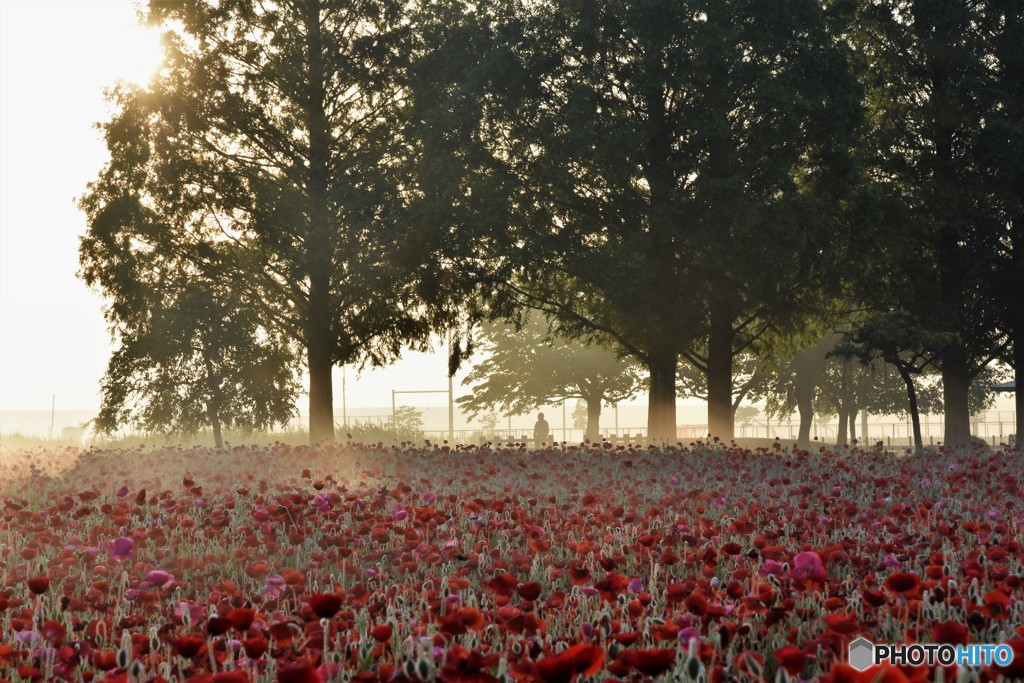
x=525, y=369
x=657, y=161
x=276, y=128
x=1003, y=145
x=930, y=71
x=190, y=354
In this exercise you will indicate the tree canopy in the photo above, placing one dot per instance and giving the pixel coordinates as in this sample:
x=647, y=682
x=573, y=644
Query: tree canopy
x=277, y=129
x=687, y=182
x=657, y=160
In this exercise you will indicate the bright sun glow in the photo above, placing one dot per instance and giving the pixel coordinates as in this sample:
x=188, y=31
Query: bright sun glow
x=137, y=55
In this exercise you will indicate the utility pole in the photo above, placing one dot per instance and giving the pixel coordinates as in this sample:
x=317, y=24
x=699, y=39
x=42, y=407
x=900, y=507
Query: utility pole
x=53, y=406
x=564, y=436
x=451, y=398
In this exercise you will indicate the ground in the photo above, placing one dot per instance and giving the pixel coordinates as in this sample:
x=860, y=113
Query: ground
x=371, y=563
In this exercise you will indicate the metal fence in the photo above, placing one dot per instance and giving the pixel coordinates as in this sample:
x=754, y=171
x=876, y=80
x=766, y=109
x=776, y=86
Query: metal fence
x=995, y=427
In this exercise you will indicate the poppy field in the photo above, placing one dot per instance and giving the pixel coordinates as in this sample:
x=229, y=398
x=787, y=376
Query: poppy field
x=369, y=563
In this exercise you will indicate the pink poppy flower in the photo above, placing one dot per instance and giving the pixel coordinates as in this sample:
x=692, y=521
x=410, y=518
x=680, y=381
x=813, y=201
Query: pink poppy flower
x=808, y=565
x=121, y=548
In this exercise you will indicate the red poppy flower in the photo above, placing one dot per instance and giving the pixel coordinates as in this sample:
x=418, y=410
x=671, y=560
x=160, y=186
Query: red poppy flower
x=902, y=582
x=325, y=605
x=190, y=646
x=529, y=591
x=38, y=585
x=471, y=617
x=216, y=626
x=233, y=676
x=282, y=633
x=503, y=584
x=382, y=632
x=997, y=602
x=792, y=659
x=650, y=662
x=298, y=672
x=468, y=666
x=241, y=618
x=951, y=632
x=565, y=667
x=104, y=660
x=843, y=624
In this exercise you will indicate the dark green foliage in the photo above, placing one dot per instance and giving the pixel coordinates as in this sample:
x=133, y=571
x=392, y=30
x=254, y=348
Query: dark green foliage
x=278, y=130
x=936, y=75
x=190, y=354
x=659, y=164
x=198, y=362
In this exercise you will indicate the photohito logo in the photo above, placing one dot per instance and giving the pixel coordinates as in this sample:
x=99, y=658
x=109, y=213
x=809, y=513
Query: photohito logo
x=863, y=654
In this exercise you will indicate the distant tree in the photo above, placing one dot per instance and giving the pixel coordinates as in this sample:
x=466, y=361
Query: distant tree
x=749, y=374
x=189, y=357
x=190, y=352
x=745, y=415
x=489, y=422
x=407, y=419
x=531, y=367
x=579, y=415
x=791, y=385
x=899, y=340
x=664, y=171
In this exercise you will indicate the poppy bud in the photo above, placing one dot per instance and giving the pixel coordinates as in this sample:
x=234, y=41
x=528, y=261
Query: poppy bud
x=693, y=667
x=123, y=658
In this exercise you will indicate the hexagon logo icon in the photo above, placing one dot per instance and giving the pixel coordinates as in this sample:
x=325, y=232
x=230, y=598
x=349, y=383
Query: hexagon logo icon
x=861, y=654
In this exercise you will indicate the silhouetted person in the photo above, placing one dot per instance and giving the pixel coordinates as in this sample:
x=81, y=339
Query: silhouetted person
x=541, y=430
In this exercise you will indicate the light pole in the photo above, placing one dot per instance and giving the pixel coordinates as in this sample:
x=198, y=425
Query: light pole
x=344, y=407
x=451, y=396
x=564, y=437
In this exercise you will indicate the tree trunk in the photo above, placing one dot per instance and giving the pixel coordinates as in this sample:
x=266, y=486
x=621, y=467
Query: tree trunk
x=804, y=382
x=214, y=402
x=864, y=429
x=915, y=415
x=661, y=405
x=593, y=433
x=719, y=375
x=319, y=334
x=214, y=417
x=1018, y=375
x=844, y=421
x=956, y=384
x=853, y=426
